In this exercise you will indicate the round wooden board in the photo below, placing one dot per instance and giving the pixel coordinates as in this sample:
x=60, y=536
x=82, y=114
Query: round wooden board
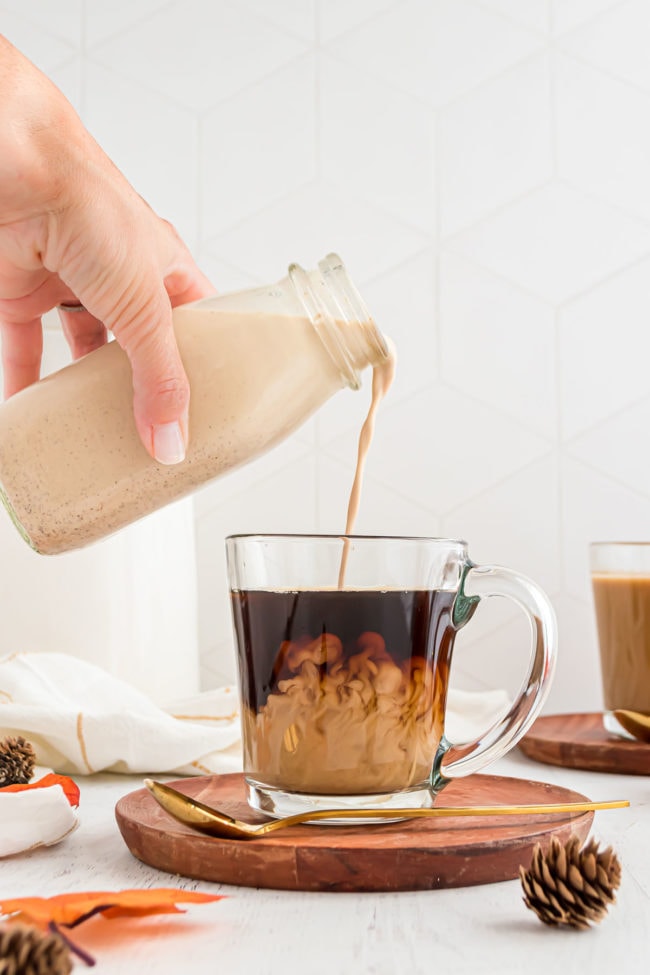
x=581, y=741
x=412, y=855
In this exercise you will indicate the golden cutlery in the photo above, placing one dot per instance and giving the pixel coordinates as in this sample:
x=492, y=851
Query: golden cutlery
x=204, y=818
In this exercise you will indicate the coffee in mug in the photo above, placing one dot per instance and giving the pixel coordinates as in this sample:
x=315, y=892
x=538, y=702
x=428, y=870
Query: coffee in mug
x=345, y=689
x=344, y=686
x=620, y=574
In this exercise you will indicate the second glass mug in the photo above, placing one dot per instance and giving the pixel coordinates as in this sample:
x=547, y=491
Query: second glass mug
x=343, y=689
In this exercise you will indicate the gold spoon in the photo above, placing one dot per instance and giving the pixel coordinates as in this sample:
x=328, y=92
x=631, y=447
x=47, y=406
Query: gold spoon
x=635, y=723
x=204, y=818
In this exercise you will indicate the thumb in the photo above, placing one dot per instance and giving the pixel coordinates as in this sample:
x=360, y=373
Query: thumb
x=161, y=392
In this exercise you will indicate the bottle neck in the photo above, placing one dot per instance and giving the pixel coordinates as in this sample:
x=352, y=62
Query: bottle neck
x=340, y=318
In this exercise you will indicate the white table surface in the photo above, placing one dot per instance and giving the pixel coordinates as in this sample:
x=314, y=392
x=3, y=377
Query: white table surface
x=266, y=932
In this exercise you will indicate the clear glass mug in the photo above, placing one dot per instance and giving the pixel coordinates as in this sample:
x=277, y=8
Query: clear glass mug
x=620, y=576
x=343, y=688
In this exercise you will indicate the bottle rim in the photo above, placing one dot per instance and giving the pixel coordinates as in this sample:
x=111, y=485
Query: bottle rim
x=350, y=309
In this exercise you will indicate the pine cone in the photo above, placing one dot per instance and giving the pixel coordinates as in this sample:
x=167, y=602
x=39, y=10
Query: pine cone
x=24, y=950
x=17, y=759
x=567, y=885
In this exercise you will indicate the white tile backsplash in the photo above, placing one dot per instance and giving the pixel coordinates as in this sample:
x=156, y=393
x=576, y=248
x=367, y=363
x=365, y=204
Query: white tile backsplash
x=617, y=41
x=310, y=222
x=273, y=119
x=103, y=21
x=401, y=179
x=435, y=50
x=603, y=137
x=197, y=53
x=404, y=304
x=595, y=507
x=516, y=523
x=494, y=647
x=62, y=20
x=339, y=16
x=293, y=16
x=567, y=14
x=468, y=448
x=45, y=48
x=383, y=512
x=482, y=166
x=556, y=241
x=155, y=146
x=577, y=685
x=495, y=144
x=604, y=349
x=606, y=447
x=535, y=14
x=484, y=318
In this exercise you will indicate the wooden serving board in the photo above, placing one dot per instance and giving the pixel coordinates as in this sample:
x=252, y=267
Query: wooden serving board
x=410, y=855
x=581, y=741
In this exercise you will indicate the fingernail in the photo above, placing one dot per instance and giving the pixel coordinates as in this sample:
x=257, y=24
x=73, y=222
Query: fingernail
x=168, y=443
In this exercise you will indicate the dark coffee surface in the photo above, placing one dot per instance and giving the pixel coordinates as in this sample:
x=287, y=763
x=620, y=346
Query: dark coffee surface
x=412, y=623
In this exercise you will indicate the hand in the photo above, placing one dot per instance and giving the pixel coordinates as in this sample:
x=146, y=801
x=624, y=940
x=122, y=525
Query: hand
x=72, y=230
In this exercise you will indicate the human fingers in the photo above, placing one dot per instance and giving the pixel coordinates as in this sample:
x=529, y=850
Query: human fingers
x=73, y=218
x=84, y=333
x=109, y=252
x=22, y=351
x=159, y=379
x=160, y=387
x=189, y=284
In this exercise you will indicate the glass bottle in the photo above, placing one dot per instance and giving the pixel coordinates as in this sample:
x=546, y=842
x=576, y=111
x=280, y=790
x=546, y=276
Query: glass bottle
x=259, y=362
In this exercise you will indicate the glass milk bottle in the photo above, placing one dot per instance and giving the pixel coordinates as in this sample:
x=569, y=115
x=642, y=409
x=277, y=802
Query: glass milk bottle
x=259, y=362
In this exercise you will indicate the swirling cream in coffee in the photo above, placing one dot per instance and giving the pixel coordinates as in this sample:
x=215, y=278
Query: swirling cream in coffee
x=343, y=690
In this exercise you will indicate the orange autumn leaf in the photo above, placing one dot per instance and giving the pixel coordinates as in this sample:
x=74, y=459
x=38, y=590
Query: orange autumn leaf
x=71, y=909
x=70, y=788
x=141, y=911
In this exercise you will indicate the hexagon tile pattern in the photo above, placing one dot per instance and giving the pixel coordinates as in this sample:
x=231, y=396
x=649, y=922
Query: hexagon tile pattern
x=481, y=165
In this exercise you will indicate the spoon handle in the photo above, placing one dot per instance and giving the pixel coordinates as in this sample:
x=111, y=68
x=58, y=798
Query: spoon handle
x=442, y=811
x=197, y=814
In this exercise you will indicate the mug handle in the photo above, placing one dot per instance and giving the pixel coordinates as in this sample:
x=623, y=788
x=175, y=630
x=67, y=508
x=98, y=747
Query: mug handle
x=480, y=582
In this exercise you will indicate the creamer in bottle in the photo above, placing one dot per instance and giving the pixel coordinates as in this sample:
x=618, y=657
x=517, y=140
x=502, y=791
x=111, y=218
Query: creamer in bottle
x=259, y=362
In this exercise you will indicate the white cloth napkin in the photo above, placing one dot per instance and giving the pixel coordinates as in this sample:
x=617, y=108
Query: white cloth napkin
x=35, y=817
x=82, y=720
